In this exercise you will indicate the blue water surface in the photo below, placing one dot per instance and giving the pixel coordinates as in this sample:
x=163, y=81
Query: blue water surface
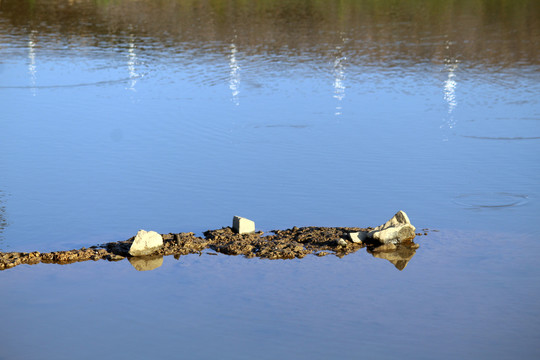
x=110, y=123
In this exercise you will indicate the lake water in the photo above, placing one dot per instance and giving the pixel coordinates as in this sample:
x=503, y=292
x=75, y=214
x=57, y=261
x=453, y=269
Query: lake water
x=175, y=115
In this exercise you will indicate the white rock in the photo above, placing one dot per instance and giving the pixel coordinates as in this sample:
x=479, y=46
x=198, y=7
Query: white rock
x=242, y=225
x=358, y=237
x=341, y=242
x=146, y=243
x=397, y=229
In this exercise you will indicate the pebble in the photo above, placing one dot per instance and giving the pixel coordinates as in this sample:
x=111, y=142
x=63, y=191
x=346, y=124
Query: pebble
x=341, y=242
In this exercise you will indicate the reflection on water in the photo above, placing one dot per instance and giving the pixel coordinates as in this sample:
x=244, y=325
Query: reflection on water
x=32, y=61
x=497, y=33
x=450, y=86
x=339, y=77
x=450, y=92
x=132, y=61
x=146, y=263
x=234, y=77
x=399, y=258
x=231, y=108
x=397, y=68
x=459, y=291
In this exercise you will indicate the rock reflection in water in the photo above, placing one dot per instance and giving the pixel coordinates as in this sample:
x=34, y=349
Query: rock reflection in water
x=146, y=263
x=399, y=257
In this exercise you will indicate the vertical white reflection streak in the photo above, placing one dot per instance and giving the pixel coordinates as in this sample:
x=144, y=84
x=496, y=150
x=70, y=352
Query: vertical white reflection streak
x=339, y=77
x=339, y=83
x=234, y=75
x=449, y=90
x=32, y=70
x=132, y=61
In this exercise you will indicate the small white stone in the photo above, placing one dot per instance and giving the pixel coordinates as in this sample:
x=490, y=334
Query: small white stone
x=341, y=242
x=242, y=225
x=358, y=237
x=145, y=243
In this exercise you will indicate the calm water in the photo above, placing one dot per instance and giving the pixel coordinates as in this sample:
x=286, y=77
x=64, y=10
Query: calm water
x=175, y=115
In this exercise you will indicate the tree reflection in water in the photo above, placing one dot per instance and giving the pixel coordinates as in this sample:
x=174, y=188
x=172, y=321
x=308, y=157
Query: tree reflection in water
x=376, y=31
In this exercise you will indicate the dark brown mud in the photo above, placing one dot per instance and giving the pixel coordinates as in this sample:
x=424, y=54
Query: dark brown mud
x=278, y=244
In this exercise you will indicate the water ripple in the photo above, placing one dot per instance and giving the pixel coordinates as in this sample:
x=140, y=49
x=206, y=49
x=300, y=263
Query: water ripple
x=490, y=200
x=95, y=83
x=501, y=137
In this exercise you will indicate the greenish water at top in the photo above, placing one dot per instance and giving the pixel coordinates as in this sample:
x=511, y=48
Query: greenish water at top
x=175, y=115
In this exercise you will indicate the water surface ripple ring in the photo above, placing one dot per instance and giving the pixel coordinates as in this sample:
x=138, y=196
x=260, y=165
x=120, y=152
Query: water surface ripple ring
x=490, y=200
x=502, y=137
x=104, y=82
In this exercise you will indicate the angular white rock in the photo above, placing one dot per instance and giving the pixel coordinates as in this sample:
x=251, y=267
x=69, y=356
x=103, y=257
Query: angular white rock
x=242, y=225
x=358, y=237
x=341, y=242
x=397, y=229
x=146, y=243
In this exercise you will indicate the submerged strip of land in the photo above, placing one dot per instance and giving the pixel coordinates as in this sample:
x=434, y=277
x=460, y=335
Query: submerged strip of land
x=278, y=244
